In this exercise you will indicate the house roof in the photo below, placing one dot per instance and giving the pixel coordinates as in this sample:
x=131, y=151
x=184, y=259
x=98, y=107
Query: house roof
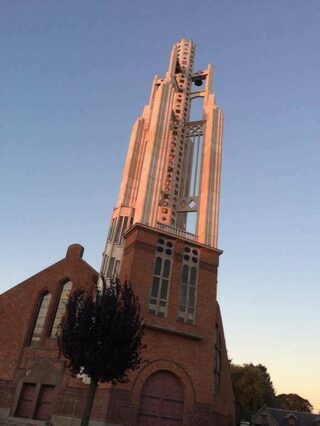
x=302, y=419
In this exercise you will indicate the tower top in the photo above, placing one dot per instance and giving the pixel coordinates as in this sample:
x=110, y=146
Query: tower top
x=171, y=178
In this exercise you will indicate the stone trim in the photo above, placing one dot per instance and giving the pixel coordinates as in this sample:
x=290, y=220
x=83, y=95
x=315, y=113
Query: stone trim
x=174, y=332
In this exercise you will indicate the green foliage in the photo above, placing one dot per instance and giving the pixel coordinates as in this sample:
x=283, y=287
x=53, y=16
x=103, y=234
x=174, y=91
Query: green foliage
x=252, y=387
x=293, y=402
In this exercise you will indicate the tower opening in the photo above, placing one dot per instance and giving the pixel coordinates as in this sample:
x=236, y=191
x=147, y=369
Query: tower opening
x=171, y=177
x=196, y=109
x=196, y=142
x=191, y=222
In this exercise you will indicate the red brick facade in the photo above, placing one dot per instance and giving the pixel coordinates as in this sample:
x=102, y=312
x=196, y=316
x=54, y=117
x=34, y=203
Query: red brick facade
x=41, y=364
x=185, y=351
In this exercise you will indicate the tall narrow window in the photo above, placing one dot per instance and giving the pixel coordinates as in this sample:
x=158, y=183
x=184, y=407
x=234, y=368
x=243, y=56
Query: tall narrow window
x=118, y=230
x=217, y=361
x=104, y=264
x=40, y=319
x=111, y=229
x=188, y=285
x=124, y=228
x=161, y=275
x=61, y=307
x=111, y=267
x=116, y=269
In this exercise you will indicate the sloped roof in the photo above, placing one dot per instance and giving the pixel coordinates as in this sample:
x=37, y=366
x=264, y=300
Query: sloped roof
x=302, y=419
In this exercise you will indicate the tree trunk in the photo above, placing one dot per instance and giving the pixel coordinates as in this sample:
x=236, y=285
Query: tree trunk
x=89, y=402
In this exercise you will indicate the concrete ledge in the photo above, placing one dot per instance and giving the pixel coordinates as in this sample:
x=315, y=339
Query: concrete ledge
x=73, y=421
x=173, y=331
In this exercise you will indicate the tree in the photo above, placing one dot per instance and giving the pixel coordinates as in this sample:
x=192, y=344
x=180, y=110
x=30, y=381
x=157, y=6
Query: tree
x=293, y=402
x=252, y=388
x=101, y=335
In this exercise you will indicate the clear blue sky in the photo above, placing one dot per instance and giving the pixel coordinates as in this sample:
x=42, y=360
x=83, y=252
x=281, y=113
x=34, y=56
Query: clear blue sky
x=74, y=75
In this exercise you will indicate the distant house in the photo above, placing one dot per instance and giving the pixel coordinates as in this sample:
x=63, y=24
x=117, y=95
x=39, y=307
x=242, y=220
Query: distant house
x=267, y=416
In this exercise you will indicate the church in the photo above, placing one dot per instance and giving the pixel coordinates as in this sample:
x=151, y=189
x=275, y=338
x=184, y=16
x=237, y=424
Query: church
x=163, y=237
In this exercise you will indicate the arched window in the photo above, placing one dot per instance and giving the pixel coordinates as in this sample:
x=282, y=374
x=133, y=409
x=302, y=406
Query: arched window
x=217, y=363
x=66, y=288
x=160, y=283
x=40, y=319
x=188, y=285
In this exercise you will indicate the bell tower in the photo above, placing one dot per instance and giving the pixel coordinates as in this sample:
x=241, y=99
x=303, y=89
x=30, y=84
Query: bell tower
x=163, y=238
x=171, y=178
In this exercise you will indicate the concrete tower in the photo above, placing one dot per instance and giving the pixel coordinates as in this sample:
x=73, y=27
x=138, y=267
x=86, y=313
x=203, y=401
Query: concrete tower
x=171, y=178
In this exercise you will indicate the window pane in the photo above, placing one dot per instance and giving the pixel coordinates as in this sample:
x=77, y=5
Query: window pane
x=192, y=294
x=164, y=289
x=116, y=268
x=183, y=295
x=111, y=229
x=110, y=268
x=39, y=323
x=124, y=227
x=217, y=368
x=193, y=276
x=155, y=287
x=125, y=224
x=157, y=266
x=104, y=264
x=118, y=230
x=166, y=269
x=185, y=273
x=160, y=283
x=61, y=307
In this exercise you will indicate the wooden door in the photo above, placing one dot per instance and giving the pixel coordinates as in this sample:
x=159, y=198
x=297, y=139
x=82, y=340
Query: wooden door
x=44, y=406
x=25, y=404
x=161, y=401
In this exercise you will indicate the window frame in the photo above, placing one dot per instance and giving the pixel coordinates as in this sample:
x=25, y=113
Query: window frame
x=160, y=307
x=35, y=317
x=217, y=360
x=186, y=287
x=56, y=307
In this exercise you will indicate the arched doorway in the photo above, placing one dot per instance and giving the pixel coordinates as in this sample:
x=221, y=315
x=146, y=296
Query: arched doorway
x=161, y=402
